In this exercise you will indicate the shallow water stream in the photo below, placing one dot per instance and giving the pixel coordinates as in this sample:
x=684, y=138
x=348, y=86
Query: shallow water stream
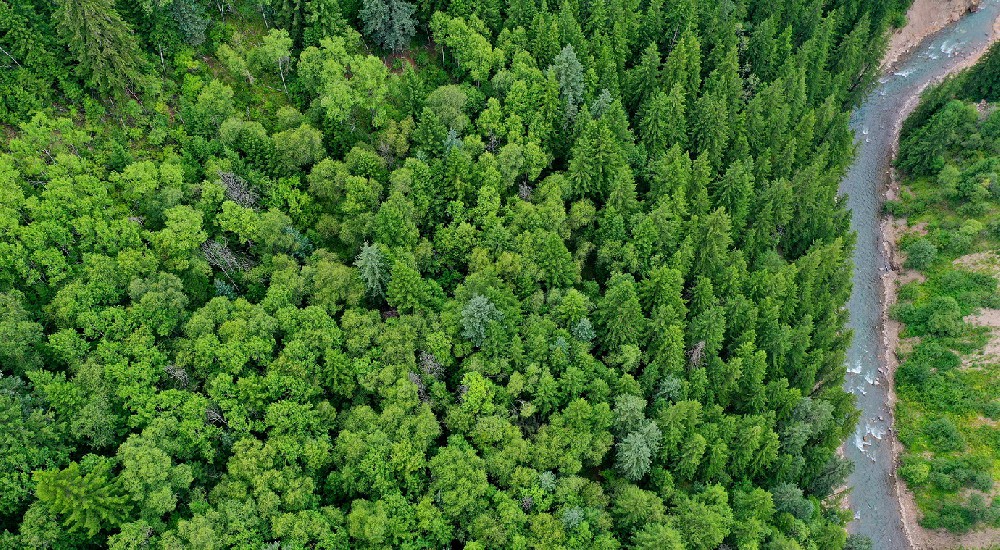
x=873, y=498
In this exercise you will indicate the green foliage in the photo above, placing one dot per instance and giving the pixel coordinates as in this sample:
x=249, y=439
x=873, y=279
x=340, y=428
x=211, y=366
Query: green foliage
x=389, y=22
x=920, y=253
x=946, y=386
x=559, y=275
x=477, y=315
x=107, y=54
x=372, y=269
x=86, y=496
x=569, y=74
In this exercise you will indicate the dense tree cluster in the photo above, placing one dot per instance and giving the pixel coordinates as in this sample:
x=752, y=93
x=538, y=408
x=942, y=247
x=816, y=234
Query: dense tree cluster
x=948, y=408
x=549, y=274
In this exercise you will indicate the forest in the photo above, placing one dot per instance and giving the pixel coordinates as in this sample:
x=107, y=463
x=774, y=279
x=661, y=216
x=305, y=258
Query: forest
x=328, y=274
x=947, y=384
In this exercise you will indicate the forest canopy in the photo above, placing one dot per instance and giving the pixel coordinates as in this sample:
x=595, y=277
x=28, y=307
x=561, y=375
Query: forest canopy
x=373, y=273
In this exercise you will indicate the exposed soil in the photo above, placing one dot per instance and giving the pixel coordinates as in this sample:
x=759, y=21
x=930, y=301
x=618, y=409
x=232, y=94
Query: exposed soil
x=918, y=229
x=982, y=262
x=924, y=18
x=990, y=354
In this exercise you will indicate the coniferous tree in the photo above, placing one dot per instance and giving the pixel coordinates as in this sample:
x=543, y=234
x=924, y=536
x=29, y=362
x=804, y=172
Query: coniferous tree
x=88, y=499
x=569, y=73
x=372, y=269
x=389, y=22
x=106, y=51
x=477, y=315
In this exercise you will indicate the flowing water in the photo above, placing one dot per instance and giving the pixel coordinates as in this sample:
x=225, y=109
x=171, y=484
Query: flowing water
x=873, y=498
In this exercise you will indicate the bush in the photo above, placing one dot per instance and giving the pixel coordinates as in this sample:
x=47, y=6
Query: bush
x=991, y=410
x=969, y=288
x=915, y=473
x=920, y=253
x=857, y=541
x=913, y=373
x=944, y=435
x=945, y=317
x=894, y=208
x=957, y=242
x=936, y=356
x=955, y=518
x=788, y=498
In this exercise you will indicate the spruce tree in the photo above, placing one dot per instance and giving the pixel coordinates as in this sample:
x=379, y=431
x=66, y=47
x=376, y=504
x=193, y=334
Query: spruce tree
x=107, y=52
x=88, y=500
x=373, y=269
x=389, y=22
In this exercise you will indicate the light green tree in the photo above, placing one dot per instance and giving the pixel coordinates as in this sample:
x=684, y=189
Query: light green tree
x=372, y=268
x=87, y=497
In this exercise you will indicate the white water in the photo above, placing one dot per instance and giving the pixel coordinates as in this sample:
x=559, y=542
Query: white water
x=873, y=497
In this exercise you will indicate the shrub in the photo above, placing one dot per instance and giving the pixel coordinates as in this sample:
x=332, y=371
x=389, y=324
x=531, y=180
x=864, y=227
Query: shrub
x=913, y=373
x=935, y=356
x=920, y=253
x=944, y=435
x=915, y=473
x=857, y=541
x=945, y=317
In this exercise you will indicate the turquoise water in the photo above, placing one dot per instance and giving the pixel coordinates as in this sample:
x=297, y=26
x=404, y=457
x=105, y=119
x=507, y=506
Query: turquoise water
x=873, y=499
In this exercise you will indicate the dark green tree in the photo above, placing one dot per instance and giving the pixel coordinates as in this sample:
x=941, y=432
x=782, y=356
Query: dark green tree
x=389, y=23
x=106, y=51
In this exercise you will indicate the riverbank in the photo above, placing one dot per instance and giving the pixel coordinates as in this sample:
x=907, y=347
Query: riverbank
x=924, y=18
x=891, y=229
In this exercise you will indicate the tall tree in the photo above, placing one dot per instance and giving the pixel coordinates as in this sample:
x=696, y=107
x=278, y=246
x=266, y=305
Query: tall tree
x=389, y=22
x=87, y=496
x=569, y=73
x=106, y=51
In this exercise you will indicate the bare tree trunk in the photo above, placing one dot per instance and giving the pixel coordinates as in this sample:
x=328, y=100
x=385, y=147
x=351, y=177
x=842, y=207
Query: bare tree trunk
x=281, y=73
x=10, y=56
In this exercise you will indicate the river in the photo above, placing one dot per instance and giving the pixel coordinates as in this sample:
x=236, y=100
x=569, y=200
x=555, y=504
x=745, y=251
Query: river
x=873, y=495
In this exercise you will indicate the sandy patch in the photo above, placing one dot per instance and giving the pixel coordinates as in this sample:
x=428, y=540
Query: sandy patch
x=987, y=317
x=924, y=18
x=990, y=354
x=909, y=276
x=983, y=421
x=918, y=229
x=982, y=262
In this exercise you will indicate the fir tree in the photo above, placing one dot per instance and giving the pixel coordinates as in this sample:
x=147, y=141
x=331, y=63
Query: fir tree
x=389, y=22
x=372, y=268
x=107, y=53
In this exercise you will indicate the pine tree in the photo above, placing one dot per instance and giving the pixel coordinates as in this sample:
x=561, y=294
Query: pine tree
x=619, y=314
x=633, y=457
x=406, y=290
x=597, y=163
x=644, y=78
x=683, y=66
x=323, y=19
x=664, y=122
x=733, y=192
x=569, y=73
x=191, y=20
x=477, y=314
